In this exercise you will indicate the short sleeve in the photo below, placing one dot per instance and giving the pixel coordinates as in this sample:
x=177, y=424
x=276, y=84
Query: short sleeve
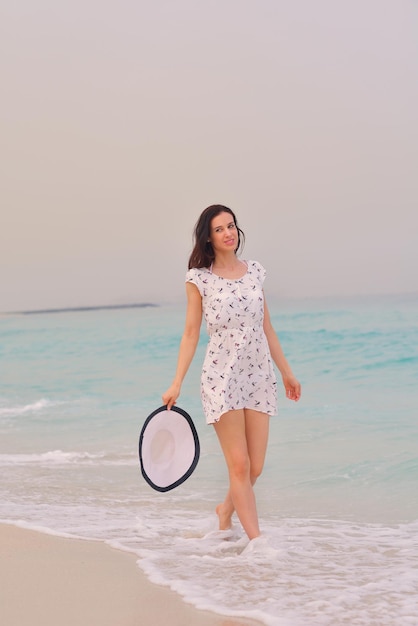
x=193, y=276
x=259, y=271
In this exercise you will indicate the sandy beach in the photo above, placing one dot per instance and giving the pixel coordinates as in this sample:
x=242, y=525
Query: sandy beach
x=47, y=580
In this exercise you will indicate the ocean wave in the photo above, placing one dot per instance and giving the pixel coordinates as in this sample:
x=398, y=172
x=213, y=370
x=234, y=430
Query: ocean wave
x=58, y=457
x=34, y=407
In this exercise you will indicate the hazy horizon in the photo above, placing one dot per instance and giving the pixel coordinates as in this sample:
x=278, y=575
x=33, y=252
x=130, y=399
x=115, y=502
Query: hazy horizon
x=121, y=123
x=285, y=301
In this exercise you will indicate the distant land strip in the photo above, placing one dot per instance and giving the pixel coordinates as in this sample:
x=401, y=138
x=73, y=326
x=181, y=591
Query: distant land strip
x=104, y=307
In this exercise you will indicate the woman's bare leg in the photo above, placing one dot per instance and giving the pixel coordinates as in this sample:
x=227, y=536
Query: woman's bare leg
x=243, y=437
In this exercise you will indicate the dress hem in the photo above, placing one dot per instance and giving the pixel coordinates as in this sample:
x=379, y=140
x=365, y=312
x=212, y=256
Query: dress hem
x=240, y=408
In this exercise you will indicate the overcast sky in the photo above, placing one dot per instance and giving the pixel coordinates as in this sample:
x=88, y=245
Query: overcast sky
x=121, y=121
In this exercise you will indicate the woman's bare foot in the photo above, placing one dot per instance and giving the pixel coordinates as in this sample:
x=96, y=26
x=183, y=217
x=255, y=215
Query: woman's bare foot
x=224, y=516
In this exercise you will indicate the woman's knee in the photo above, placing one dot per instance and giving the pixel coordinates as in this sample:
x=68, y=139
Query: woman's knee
x=239, y=467
x=255, y=471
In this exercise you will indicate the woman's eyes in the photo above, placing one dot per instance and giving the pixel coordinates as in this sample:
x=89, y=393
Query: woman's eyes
x=219, y=229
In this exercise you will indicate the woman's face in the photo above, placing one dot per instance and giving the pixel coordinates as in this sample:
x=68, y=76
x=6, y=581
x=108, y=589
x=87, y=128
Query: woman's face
x=223, y=233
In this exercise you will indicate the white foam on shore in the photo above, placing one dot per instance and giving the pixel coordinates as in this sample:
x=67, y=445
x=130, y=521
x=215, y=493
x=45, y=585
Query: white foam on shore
x=44, y=530
x=305, y=572
x=299, y=573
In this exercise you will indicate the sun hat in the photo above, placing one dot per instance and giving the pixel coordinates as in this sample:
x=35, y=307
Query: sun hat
x=169, y=448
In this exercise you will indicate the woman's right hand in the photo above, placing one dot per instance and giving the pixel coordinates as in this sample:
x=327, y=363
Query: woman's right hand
x=171, y=395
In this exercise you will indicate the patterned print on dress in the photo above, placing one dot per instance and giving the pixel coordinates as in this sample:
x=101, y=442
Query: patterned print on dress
x=237, y=371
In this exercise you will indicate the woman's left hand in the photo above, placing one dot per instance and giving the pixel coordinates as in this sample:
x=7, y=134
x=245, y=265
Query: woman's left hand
x=292, y=386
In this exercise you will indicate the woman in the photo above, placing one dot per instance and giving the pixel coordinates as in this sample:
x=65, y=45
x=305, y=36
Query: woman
x=238, y=385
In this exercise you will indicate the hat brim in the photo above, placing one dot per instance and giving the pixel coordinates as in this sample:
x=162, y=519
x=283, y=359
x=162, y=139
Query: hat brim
x=169, y=448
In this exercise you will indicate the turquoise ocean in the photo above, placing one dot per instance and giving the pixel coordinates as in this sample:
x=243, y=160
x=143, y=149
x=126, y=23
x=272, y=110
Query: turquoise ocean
x=338, y=500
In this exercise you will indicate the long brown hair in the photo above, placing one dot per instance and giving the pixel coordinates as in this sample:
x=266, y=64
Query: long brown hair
x=202, y=254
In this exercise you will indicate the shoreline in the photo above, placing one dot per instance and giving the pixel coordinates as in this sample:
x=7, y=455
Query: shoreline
x=47, y=579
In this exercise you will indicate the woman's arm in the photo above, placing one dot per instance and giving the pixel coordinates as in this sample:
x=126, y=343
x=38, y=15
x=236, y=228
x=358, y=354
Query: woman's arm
x=292, y=386
x=188, y=343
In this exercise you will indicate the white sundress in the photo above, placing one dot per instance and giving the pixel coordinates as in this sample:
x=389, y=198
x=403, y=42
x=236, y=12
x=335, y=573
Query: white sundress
x=237, y=371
